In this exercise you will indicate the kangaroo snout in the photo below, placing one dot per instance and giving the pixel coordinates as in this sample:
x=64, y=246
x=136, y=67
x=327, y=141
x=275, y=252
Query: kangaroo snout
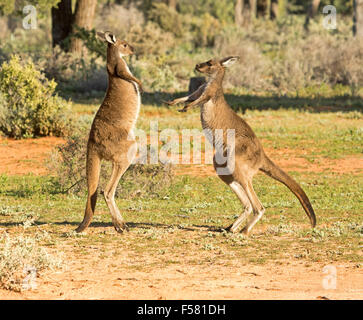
x=197, y=67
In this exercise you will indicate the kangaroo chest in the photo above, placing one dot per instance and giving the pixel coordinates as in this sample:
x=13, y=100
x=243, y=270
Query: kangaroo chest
x=138, y=100
x=211, y=126
x=207, y=115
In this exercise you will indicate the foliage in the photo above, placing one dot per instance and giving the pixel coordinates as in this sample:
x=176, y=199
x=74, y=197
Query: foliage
x=222, y=10
x=73, y=73
x=9, y=6
x=167, y=18
x=156, y=73
x=203, y=30
x=29, y=107
x=150, y=39
x=22, y=257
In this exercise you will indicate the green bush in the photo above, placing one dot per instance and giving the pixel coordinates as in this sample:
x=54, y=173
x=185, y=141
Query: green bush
x=28, y=105
x=168, y=19
x=203, y=29
x=156, y=73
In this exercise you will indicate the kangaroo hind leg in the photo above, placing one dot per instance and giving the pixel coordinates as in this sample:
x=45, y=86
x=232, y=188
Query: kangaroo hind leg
x=242, y=196
x=258, y=209
x=109, y=195
x=93, y=174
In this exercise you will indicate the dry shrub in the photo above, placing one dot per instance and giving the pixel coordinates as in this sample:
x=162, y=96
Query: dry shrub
x=118, y=19
x=69, y=164
x=74, y=73
x=128, y=23
x=22, y=257
x=150, y=39
x=250, y=70
x=319, y=59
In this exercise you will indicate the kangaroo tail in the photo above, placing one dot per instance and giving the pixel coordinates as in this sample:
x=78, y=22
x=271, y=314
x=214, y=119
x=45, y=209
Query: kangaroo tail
x=272, y=170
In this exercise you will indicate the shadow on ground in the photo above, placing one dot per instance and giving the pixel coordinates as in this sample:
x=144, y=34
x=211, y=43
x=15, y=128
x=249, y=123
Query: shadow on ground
x=130, y=225
x=252, y=102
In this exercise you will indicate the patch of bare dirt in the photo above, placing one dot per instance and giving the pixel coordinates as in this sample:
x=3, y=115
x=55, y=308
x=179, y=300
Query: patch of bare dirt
x=351, y=164
x=89, y=277
x=19, y=157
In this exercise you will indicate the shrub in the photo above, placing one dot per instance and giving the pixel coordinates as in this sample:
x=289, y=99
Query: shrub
x=68, y=162
x=156, y=73
x=22, y=257
x=150, y=39
x=119, y=19
x=80, y=74
x=29, y=107
x=319, y=59
x=250, y=70
x=168, y=19
x=203, y=30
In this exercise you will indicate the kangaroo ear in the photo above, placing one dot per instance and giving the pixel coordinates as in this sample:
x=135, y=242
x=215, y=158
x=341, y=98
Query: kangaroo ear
x=109, y=37
x=226, y=62
x=101, y=35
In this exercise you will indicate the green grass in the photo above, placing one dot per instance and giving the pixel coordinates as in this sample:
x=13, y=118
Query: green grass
x=191, y=213
x=321, y=134
x=183, y=222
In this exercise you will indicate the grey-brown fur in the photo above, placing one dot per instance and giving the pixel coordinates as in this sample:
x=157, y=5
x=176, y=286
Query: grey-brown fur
x=249, y=154
x=111, y=137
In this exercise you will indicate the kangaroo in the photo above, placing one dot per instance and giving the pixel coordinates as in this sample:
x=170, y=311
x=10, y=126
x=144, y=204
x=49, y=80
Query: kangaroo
x=249, y=156
x=111, y=136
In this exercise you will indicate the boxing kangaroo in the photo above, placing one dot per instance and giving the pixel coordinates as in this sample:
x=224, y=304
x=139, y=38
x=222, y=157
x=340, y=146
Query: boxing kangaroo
x=111, y=137
x=249, y=156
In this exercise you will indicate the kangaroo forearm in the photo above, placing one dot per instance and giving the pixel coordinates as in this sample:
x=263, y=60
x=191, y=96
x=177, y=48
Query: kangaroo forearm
x=128, y=77
x=201, y=100
x=190, y=98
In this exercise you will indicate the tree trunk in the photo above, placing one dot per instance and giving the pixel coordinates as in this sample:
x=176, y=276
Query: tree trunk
x=61, y=22
x=253, y=9
x=311, y=12
x=172, y=4
x=83, y=18
x=268, y=9
x=281, y=9
x=238, y=12
x=358, y=18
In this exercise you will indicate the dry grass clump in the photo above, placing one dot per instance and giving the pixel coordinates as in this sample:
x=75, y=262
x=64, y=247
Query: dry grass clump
x=69, y=163
x=317, y=60
x=22, y=258
x=251, y=70
x=82, y=74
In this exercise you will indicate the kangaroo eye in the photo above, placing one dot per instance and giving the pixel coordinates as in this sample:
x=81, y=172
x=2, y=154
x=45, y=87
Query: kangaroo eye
x=125, y=45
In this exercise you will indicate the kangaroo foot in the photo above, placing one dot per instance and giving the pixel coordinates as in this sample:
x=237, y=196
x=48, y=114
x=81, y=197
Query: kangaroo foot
x=120, y=227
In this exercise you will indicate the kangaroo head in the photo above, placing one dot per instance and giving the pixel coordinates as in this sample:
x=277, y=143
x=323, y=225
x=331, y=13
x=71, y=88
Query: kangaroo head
x=213, y=66
x=119, y=47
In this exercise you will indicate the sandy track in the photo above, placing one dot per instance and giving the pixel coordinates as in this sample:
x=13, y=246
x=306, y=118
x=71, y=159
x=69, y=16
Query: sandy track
x=94, y=278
